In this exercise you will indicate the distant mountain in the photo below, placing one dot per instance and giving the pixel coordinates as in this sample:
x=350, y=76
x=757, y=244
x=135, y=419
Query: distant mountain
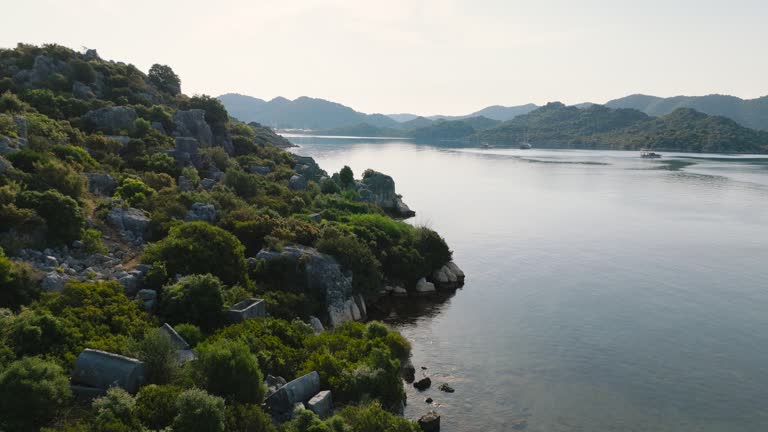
x=402, y=118
x=361, y=130
x=419, y=128
x=558, y=126
x=415, y=123
x=502, y=113
x=302, y=113
x=752, y=113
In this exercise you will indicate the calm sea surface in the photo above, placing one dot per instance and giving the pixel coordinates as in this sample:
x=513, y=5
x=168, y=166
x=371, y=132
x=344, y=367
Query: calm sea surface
x=604, y=292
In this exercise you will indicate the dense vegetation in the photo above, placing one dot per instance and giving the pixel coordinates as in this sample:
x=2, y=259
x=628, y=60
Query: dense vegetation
x=198, y=268
x=420, y=128
x=560, y=126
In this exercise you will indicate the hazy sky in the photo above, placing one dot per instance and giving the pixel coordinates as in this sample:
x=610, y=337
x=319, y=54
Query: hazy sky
x=426, y=57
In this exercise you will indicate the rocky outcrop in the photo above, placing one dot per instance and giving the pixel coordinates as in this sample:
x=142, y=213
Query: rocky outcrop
x=131, y=222
x=192, y=124
x=297, y=182
x=317, y=326
x=323, y=276
x=259, y=169
x=379, y=189
x=424, y=287
x=101, y=184
x=422, y=384
x=54, y=281
x=299, y=390
x=448, y=277
x=201, y=212
x=18, y=137
x=82, y=91
x=321, y=404
x=307, y=167
x=430, y=422
x=111, y=119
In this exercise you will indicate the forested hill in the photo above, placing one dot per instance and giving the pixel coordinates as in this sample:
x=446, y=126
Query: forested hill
x=559, y=126
x=166, y=267
x=752, y=113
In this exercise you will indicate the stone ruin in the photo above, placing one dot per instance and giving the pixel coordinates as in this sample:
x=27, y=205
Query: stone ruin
x=184, y=352
x=96, y=371
x=303, y=392
x=247, y=309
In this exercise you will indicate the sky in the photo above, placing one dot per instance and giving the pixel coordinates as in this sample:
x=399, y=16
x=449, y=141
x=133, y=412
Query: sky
x=421, y=56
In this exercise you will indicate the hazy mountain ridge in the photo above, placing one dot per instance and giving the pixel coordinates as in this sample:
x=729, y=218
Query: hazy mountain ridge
x=752, y=113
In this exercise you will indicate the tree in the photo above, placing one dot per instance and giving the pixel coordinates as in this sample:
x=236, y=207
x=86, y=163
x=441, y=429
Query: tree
x=19, y=283
x=215, y=113
x=248, y=418
x=165, y=79
x=199, y=248
x=158, y=353
x=346, y=176
x=32, y=391
x=230, y=370
x=114, y=412
x=63, y=217
x=199, y=412
x=156, y=405
x=194, y=298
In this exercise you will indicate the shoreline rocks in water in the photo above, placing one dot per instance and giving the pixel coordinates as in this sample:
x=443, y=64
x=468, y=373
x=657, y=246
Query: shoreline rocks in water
x=422, y=384
x=379, y=189
x=430, y=422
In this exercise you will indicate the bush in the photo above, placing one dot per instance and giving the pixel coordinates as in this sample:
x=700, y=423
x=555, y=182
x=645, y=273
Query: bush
x=215, y=113
x=19, y=283
x=93, y=243
x=199, y=412
x=165, y=79
x=63, y=217
x=228, y=369
x=190, y=333
x=156, y=405
x=158, y=181
x=162, y=163
x=198, y=248
x=433, y=248
x=158, y=353
x=82, y=71
x=244, y=184
x=75, y=155
x=53, y=174
x=134, y=191
x=248, y=418
x=353, y=255
x=328, y=186
x=191, y=174
x=114, y=412
x=373, y=418
x=194, y=298
x=346, y=177
x=32, y=392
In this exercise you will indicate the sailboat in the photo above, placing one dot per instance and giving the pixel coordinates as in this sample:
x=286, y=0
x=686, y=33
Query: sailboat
x=525, y=145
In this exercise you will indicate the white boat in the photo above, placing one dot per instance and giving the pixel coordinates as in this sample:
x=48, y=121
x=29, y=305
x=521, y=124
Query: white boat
x=525, y=146
x=647, y=154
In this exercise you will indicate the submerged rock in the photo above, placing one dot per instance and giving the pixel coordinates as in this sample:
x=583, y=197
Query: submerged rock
x=423, y=384
x=446, y=388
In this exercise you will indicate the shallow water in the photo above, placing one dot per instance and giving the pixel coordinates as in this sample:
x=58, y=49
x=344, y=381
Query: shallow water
x=604, y=292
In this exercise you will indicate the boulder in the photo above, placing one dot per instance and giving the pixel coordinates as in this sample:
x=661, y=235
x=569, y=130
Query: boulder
x=307, y=167
x=297, y=182
x=187, y=145
x=408, y=371
x=148, y=298
x=201, y=212
x=112, y=119
x=448, y=276
x=259, y=169
x=446, y=388
x=130, y=284
x=207, y=183
x=323, y=277
x=129, y=220
x=43, y=67
x=82, y=91
x=316, y=325
x=424, y=287
x=422, y=384
x=191, y=123
x=456, y=271
x=51, y=261
x=400, y=291
x=379, y=189
x=299, y=390
x=102, y=370
x=273, y=384
x=54, y=281
x=247, y=309
x=430, y=422
x=321, y=404
x=101, y=184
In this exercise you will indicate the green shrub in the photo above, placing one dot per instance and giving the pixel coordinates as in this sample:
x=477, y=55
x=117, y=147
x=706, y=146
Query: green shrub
x=158, y=181
x=346, y=177
x=114, y=412
x=164, y=79
x=93, y=242
x=53, y=174
x=229, y=370
x=328, y=186
x=19, y=283
x=82, y=71
x=75, y=155
x=244, y=184
x=215, y=113
x=199, y=412
x=306, y=421
x=158, y=353
x=32, y=392
x=11, y=104
x=198, y=248
x=353, y=255
x=193, y=299
x=134, y=191
x=248, y=418
x=432, y=247
x=190, y=333
x=162, y=163
x=372, y=418
x=156, y=405
x=191, y=174
x=63, y=217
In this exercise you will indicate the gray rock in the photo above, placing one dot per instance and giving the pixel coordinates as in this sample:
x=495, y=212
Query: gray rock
x=103, y=370
x=316, y=325
x=207, y=183
x=42, y=69
x=316, y=217
x=101, y=184
x=146, y=294
x=299, y=390
x=321, y=404
x=201, y=212
x=159, y=127
x=130, y=284
x=297, y=182
x=54, y=281
x=192, y=123
x=379, y=189
x=112, y=119
x=307, y=167
x=259, y=169
x=82, y=91
x=408, y=371
x=187, y=145
x=422, y=384
x=184, y=184
x=446, y=388
x=424, y=287
x=130, y=220
x=273, y=384
x=51, y=261
x=77, y=244
x=430, y=422
x=448, y=276
x=91, y=54
x=247, y=309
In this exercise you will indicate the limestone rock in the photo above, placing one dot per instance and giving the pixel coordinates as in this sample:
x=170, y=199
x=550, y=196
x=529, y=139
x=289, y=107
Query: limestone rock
x=101, y=184
x=379, y=189
x=259, y=169
x=54, y=281
x=448, y=276
x=321, y=404
x=82, y=91
x=307, y=167
x=207, y=183
x=316, y=325
x=201, y=212
x=129, y=220
x=400, y=291
x=112, y=119
x=424, y=287
x=130, y=284
x=273, y=384
x=297, y=391
x=191, y=123
x=430, y=422
x=297, y=182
